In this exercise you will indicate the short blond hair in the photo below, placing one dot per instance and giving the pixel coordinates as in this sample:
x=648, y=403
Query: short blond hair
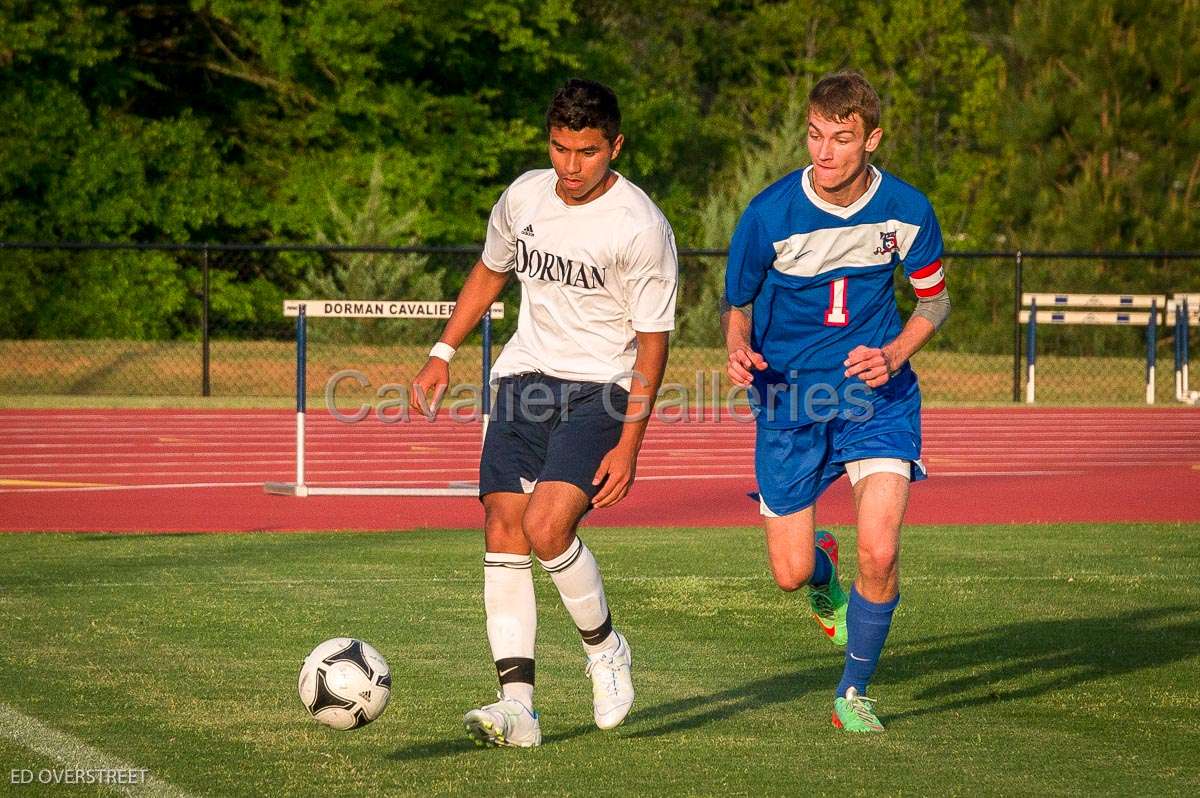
x=843, y=94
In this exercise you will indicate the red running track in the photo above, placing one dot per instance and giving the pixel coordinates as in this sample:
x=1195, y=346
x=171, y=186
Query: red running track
x=202, y=470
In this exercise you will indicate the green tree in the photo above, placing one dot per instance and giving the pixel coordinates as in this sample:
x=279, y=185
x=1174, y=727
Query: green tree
x=1102, y=120
x=371, y=275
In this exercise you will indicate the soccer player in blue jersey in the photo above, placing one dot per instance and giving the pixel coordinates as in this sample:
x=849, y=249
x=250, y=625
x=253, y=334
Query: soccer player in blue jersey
x=811, y=325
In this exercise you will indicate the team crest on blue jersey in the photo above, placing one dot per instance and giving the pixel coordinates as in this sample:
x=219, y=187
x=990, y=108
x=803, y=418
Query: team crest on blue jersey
x=887, y=243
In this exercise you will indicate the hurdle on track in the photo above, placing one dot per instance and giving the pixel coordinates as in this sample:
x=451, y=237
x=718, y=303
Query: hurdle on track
x=1184, y=311
x=303, y=309
x=1122, y=309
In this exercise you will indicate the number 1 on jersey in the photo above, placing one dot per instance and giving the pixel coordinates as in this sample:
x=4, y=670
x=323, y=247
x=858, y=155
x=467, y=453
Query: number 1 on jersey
x=836, y=315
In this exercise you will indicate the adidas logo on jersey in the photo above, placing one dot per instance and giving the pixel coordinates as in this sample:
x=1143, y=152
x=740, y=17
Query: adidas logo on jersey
x=528, y=231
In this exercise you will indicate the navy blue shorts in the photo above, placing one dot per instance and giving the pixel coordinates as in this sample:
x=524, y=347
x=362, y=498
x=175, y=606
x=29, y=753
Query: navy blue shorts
x=546, y=429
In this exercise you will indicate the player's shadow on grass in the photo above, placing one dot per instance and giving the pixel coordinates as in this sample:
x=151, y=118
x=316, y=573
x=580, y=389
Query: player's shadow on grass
x=777, y=689
x=1028, y=659
x=457, y=744
x=1004, y=663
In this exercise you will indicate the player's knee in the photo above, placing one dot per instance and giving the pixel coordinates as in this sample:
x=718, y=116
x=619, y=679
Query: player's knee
x=790, y=579
x=502, y=531
x=877, y=561
x=547, y=533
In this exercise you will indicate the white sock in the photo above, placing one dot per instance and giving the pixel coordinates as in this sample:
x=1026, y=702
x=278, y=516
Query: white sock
x=511, y=611
x=577, y=578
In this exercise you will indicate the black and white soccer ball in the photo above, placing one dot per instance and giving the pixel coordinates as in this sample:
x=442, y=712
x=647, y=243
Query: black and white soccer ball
x=345, y=683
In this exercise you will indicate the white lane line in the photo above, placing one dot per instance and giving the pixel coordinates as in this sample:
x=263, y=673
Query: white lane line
x=321, y=478
x=320, y=454
x=465, y=424
x=326, y=468
x=219, y=448
x=163, y=486
x=76, y=755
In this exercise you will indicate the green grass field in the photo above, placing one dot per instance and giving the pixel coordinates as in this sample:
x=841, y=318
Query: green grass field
x=1050, y=660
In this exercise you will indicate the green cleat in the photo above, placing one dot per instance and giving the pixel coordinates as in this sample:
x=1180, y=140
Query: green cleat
x=854, y=713
x=829, y=602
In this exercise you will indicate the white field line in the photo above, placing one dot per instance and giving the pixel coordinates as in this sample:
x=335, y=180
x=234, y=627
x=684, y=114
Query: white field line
x=235, y=584
x=74, y=754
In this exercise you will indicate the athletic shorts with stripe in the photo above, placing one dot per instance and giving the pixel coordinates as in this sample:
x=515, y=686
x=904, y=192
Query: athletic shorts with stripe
x=795, y=465
x=546, y=429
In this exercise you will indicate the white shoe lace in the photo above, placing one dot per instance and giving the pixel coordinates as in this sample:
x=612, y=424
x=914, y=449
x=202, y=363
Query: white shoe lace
x=863, y=708
x=610, y=668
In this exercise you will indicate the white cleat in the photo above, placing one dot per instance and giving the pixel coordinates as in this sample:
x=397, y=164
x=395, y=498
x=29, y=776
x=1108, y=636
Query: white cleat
x=507, y=722
x=612, y=684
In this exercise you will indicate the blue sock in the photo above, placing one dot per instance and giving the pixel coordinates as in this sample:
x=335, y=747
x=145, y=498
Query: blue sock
x=822, y=569
x=867, y=625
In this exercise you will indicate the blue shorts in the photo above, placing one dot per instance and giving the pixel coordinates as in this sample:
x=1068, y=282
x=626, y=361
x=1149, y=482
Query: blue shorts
x=546, y=429
x=794, y=466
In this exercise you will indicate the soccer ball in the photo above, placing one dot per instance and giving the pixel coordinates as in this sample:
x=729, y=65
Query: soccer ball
x=345, y=683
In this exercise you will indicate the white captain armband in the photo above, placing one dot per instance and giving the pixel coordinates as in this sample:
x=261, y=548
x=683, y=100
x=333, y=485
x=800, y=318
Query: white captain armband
x=933, y=300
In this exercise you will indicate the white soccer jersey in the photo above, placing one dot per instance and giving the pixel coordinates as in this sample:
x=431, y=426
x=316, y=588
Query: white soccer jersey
x=591, y=275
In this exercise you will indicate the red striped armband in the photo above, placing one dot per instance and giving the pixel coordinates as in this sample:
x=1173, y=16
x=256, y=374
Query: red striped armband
x=929, y=280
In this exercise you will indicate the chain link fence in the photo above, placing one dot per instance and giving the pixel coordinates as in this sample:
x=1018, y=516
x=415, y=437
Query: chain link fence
x=206, y=320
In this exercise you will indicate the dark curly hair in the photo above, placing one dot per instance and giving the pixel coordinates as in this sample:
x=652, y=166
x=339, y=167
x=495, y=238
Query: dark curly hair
x=585, y=103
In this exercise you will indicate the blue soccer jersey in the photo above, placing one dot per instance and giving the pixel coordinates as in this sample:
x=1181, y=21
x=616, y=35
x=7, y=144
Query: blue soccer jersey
x=820, y=278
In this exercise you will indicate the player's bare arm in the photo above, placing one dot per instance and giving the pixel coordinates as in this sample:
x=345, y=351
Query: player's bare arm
x=743, y=360
x=482, y=288
x=618, y=467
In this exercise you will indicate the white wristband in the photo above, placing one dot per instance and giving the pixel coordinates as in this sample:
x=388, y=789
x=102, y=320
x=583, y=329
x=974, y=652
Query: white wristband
x=442, y=351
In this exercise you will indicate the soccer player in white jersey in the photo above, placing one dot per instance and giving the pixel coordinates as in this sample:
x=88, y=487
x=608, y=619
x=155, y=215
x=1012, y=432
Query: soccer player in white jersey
x=574, y=387
x=815, y=330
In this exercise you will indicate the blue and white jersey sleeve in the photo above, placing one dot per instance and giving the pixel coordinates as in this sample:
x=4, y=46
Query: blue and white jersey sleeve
x=927, y=245
x=923, y=261
x=751, y=253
